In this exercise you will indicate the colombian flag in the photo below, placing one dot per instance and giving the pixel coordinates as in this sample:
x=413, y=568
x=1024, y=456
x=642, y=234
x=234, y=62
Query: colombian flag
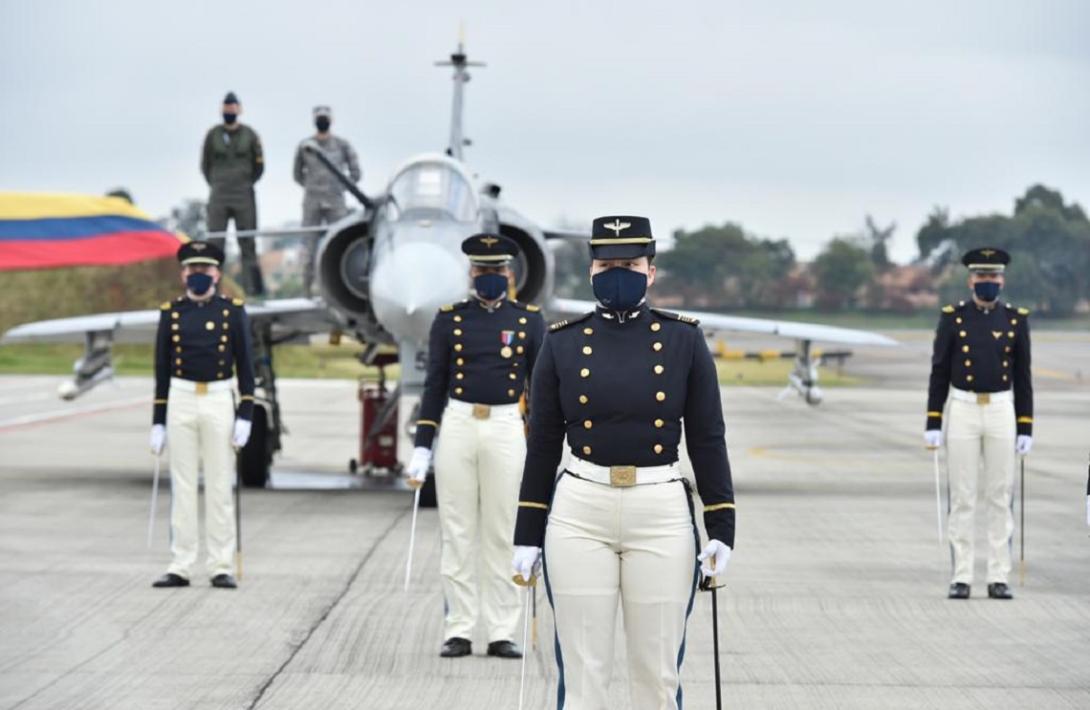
x=45, y=231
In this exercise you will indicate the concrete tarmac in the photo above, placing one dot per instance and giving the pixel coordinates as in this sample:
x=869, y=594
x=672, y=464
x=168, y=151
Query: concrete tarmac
x=835, y=596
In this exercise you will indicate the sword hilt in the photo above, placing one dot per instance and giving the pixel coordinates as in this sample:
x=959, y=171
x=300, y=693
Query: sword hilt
x=523, y=582
x=709, y=582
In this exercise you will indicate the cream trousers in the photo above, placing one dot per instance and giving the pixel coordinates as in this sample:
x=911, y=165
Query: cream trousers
x=199, y=430
x=636, y=546
x=478, y=470
x=981, y=434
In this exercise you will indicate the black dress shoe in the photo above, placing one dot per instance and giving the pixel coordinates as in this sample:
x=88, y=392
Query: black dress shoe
x=456, y=647
x=999, y=590
x=504, y=649
x=224, y=581
x=959, y=590
x=170, y=580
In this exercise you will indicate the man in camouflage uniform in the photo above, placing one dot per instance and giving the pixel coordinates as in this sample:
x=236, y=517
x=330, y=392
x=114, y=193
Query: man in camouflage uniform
x=232, y=161
x=323, y=193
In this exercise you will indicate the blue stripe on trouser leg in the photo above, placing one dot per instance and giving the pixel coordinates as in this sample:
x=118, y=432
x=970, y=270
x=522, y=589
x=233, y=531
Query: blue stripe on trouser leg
x=556, y=636
x=549, y=594
x=692, y=594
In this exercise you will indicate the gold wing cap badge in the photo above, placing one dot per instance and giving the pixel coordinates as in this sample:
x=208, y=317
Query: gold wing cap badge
x=617, y=226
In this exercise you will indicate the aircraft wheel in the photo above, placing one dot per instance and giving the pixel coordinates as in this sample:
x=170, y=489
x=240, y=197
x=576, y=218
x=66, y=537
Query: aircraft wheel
x=254, y=459
x=427, y=493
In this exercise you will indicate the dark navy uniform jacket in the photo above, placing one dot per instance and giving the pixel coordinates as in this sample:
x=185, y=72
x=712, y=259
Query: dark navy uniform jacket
x=478, y=355
x=982, y=351
x=204, y=342
x=622, y=392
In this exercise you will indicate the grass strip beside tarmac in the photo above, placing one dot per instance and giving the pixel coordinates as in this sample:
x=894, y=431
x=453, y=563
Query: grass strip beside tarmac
x=339, y=362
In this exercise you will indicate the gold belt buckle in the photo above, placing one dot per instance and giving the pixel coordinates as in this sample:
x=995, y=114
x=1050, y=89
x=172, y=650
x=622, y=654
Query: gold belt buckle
x=983, y=398
x=481, y=411
x=202, y=388
x=622, y=476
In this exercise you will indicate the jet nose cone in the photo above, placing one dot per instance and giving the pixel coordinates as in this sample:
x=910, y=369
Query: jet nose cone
x=411, y=282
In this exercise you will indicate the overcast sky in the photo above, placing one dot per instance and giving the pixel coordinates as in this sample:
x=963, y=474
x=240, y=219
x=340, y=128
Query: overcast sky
x=793, y=118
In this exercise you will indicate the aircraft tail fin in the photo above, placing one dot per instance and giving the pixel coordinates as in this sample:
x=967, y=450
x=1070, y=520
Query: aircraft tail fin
x=460, y=61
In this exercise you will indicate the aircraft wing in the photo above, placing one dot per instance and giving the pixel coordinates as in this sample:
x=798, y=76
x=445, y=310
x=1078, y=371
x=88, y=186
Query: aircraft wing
x=306, y=314
x=716, y=322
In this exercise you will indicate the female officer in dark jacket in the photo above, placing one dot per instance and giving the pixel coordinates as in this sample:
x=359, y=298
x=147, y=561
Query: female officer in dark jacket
x=618, y=524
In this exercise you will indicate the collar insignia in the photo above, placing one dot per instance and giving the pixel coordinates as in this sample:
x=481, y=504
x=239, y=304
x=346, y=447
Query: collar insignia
x=997, y=334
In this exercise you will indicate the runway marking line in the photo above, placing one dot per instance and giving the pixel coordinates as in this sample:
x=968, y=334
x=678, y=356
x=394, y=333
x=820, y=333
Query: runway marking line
x=59, y=415
x=1054, y=374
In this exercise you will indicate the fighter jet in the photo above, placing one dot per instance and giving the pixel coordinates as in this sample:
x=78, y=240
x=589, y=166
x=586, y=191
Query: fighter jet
x=384, y=270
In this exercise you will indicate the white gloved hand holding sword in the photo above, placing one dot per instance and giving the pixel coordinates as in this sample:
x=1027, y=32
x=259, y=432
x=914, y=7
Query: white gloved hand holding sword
x=417, y=470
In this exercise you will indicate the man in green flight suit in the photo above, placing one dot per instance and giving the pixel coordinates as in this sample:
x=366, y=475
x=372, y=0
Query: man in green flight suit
x=232, y=161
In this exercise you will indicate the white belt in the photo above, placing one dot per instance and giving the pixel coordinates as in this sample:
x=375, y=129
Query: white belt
x=623, y=476
x=981, y=397
x=200, y=387
x=481, y=411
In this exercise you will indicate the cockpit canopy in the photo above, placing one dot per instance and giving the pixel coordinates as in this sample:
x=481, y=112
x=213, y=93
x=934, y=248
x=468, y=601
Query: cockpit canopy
x=432, y=188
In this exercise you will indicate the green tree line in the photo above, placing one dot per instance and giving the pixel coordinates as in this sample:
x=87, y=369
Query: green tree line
x=727, y=267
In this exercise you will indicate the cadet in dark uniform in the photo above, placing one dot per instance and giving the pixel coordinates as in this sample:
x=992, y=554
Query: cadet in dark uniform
x=480, y=355
x=202, y=340
x=232, y=161
x=621, y=384
x=982, y=361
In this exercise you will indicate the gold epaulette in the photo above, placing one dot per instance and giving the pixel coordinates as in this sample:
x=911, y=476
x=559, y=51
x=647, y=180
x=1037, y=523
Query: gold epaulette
x=164, y=306
x=237, y=301
x=947, y=309
x=453, y=306
x=675, y=316
x=532, y=308
x=559, y=325
x=1023, y=311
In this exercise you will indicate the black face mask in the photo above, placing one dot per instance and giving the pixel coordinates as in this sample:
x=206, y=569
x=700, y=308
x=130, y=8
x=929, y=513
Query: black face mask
x=619, y=289
x=198, y=284
x=986, y=291
x=322, y=124
x=490, y=286
x=230, y=118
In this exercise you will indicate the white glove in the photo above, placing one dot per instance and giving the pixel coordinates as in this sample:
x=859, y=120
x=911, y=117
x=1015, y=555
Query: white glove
x=242, y=433
x=158, y=438
x=417, y=470
x=932, y=438
x=1023, y=444
x=717, y=554
x=526, y=562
